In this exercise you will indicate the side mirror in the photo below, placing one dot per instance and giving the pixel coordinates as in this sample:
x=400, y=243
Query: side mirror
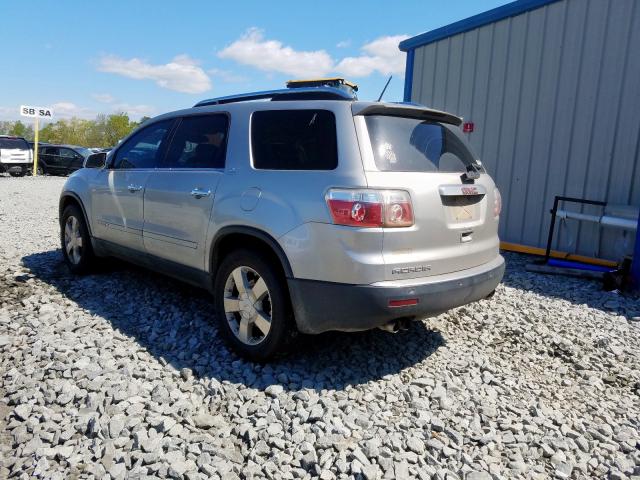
x=96, y=160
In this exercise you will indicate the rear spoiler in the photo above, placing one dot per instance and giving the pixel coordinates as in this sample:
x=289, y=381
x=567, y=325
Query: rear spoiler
x=405, y=110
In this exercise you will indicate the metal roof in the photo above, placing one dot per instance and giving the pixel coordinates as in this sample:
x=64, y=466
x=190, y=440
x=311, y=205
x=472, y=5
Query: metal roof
x=500, y=13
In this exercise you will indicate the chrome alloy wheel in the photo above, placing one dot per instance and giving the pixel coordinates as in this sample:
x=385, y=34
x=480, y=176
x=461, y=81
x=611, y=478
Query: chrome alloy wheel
x=73, y=240
x=247, y=305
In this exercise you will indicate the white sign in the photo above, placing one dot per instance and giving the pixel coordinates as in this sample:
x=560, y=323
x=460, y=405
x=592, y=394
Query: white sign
x=35, y=112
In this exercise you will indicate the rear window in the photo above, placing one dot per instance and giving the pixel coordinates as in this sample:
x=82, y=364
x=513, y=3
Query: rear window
x=294, y=140
x=403, y=144
x=14, y=143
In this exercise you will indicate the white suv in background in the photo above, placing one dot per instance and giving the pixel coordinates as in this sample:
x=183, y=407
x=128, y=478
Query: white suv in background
x=16, y=156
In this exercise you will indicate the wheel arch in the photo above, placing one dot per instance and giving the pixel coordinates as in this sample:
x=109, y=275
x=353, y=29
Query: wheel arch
x=71, y=198
x=233, y=237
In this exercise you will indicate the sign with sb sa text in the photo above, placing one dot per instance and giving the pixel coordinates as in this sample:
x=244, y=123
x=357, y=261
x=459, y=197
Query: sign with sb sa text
x=35, y=112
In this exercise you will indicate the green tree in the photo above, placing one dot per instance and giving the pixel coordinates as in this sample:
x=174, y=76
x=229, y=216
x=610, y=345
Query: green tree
x=19, y=129
x=118, y=126
x=103, y=131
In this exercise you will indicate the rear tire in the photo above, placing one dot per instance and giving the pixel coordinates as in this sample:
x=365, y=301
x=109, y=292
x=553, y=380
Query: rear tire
x=252, y=306
x=16, y=174
x=41, y=170
x=76, y=242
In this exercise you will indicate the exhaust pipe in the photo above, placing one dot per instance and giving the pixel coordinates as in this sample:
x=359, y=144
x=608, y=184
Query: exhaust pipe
x=391, y=327
x=394, y=326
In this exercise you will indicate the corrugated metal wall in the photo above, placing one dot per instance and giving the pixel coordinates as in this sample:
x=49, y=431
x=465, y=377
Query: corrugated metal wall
x=555, y=97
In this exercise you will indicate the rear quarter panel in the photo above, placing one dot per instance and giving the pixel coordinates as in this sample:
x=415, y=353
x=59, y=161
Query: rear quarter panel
x=287, y=205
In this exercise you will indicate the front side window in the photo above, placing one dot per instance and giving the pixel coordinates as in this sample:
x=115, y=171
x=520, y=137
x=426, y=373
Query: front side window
x=294, y=140
x=68, y=153
x=199, y=142
x=144, y=148
x=403, y=144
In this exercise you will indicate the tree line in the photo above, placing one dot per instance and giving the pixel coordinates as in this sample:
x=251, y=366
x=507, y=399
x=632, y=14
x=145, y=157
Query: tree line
x=103, y=131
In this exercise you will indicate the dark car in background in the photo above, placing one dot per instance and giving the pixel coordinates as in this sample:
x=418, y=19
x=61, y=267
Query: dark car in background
x=61, y=159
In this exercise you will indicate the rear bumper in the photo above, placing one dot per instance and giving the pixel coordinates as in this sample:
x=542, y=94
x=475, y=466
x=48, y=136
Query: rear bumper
x=15, y=167
x=323, y=306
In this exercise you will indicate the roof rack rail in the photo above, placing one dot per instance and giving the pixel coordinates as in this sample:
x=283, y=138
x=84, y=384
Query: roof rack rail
x=310, y=93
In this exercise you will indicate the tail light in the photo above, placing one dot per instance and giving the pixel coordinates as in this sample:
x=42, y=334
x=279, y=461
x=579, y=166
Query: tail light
x=370, y=208
x=497, y=203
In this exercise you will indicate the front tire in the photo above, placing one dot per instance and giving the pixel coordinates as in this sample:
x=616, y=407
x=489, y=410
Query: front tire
x=76, y=242
x=252, y=305
x=17, y=174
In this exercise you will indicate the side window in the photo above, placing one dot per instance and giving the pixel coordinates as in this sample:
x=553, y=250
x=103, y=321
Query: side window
x=142, y=150
x=294, y=140
x=50, y=151
x=199, y=142
x=67, y=153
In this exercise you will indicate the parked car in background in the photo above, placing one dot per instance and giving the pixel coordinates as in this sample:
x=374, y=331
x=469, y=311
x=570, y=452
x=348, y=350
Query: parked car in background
x=61, y=159
x=311, y=211
x=16, y=157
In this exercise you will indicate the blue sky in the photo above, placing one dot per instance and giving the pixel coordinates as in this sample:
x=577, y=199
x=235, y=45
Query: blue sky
x=149, y=57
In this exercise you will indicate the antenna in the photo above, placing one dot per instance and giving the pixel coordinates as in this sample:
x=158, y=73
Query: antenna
x=385, y=88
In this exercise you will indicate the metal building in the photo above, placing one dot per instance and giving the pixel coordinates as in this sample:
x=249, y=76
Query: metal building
x=552, y=88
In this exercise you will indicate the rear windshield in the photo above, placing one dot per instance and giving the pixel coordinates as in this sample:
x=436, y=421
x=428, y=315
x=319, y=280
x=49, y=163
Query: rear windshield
x=85, y=152
x=403, y=144
x=14, y=143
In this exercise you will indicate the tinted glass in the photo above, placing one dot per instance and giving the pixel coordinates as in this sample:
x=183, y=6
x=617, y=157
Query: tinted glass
x=66, y=152
x=50, y=150
x=410, y=145
x=143, y=149
x=85, y=152
x=294, y=140
x=199, y=142
x=14, y=143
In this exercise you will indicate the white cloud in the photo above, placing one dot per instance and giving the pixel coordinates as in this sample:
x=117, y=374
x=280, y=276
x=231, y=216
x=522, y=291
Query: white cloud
x=66, y=110
x=381, y=55
x=181, y=74
x=61, y=110
x=103, y=97
x=115, y=106
x=227, y=75
x=134, y=111
x=69, y=110
x=10, y=113
x=272, y=56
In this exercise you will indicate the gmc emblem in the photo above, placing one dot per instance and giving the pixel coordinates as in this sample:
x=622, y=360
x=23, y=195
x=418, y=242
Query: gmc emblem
x=469, y=190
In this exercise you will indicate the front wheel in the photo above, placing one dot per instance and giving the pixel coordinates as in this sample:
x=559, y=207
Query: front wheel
x=75, y=240
x=17, y=174
x=252, y=305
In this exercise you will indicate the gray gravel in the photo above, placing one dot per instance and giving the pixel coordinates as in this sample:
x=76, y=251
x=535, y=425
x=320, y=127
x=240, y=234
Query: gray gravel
x=121, y=374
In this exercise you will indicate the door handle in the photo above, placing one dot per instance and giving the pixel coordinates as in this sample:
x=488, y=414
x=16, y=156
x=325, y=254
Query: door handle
x=197, y=193
x=134, y=188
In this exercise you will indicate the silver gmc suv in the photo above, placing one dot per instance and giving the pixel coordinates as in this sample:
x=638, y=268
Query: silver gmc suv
x=300, y=209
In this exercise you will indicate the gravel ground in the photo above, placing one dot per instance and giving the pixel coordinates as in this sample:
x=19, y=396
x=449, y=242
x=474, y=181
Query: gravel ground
x=122, y=373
